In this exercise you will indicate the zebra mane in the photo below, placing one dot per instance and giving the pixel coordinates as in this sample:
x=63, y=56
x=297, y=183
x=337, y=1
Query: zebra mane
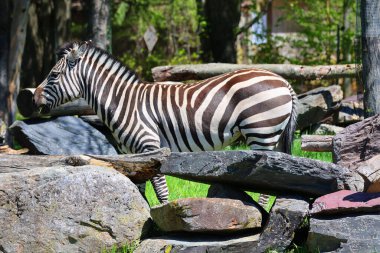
x=68, y=46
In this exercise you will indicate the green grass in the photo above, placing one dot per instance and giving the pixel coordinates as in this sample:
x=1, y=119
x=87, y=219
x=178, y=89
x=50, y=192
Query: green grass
x=127, y=248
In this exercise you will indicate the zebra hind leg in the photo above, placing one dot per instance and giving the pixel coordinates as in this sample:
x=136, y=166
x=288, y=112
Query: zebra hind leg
x=254, y=144
x=160, y=188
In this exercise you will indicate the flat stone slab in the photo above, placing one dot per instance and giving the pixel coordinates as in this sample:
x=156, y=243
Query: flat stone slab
x=263, y=171
x=69, y=209
x=61, y=136
x=349, y=233
x=286, y=217
x=346, y=201
x=211, y=215
x=199, y=244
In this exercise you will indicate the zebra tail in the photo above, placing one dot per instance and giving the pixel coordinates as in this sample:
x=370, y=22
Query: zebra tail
x=292, y=124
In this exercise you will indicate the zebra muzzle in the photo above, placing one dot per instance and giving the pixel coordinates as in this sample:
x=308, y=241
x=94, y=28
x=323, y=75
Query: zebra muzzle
x=43, y=109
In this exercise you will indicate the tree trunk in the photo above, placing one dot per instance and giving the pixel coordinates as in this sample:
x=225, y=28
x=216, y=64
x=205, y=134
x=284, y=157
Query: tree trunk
x=370, y=21
x=48, y=28
x=99, y=25
x=62, y=10
x=17, y=44
x=5, y=24
x=222, y=17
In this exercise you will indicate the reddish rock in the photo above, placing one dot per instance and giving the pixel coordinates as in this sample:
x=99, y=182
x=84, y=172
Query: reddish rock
x=346, y=201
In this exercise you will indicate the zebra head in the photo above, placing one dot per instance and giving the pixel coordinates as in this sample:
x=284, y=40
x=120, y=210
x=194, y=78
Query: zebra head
x=62, y=83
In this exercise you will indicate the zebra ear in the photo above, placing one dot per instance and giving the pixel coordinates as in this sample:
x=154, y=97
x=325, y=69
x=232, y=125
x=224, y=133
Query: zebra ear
x=76, y=54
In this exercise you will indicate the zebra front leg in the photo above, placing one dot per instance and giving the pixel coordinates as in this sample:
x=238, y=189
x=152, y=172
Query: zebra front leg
x=160, y=188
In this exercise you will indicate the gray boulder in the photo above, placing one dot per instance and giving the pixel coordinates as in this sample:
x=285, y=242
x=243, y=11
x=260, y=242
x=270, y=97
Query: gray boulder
x=211, y=215
x=287, y=217
x=348, y=233
x=69, y=209
x=61, y=136
x=263, y=171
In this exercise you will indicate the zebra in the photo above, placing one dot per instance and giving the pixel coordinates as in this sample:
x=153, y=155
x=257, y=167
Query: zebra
x=253, y=104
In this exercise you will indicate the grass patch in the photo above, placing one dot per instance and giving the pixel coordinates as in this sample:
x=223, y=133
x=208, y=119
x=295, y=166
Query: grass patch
x=127, y=248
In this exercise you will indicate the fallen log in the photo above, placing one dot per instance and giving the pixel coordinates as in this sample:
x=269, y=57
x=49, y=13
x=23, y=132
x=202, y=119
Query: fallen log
x=139, y=168
x=267, y=172
x=317, y=143
x=28, y=109
x=288, y=71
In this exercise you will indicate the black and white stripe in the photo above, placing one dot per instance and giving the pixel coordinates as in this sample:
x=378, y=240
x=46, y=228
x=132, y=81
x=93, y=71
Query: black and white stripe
x=253, y=104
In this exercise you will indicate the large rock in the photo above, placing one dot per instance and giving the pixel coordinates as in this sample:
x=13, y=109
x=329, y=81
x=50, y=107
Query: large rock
x=345, y=233
x=199, y=244
x=263, y=171
x=318, y=104
x=351, y=110
x=287, y=217
x=370, y=171
x=61, y=136
x=212, y=215
x=357, y=143
x=346, y=201
x=69, y=209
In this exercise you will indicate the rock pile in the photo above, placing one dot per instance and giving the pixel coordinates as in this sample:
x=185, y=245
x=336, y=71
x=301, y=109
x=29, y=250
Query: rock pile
x=333, y=206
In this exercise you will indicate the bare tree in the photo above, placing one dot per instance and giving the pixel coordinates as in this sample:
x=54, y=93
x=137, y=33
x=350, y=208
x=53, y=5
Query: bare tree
x=5, y=22
x=12, y=39
x=370, y=21
x=47, y=29
x=99, y=25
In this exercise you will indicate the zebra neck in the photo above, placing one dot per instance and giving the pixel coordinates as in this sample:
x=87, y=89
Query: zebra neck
x=106, y=83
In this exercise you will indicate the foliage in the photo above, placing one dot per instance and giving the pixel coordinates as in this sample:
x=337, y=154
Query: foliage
x=316, y=41
x=176, y=25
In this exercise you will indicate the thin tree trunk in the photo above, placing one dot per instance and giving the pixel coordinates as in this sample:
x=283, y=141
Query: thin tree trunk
x=39, y=55
x=346, y=43
x=62, y=10
x=370, y=21
x=17, y=44
x=99, y=27
x=5, y=23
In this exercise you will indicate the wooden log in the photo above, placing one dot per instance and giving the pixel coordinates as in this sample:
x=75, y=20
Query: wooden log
x=317, y=143
x=288, y=71
x=139, y=168
x=28, y=109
